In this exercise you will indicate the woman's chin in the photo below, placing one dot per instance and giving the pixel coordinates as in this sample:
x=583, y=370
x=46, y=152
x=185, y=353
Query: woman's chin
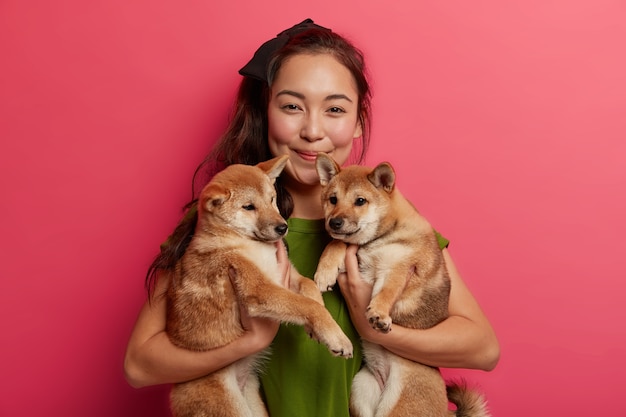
x=304, y=178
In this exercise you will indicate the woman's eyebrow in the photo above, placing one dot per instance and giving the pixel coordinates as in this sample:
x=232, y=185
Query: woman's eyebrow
x=302, y=96
x=290, y=93
x=337, y=97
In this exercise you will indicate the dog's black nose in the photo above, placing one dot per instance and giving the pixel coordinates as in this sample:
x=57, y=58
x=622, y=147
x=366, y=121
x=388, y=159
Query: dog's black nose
x=335, y=223
x=281, y=229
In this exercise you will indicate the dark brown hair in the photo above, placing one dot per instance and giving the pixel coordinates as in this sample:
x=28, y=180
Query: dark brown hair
x=245, y=140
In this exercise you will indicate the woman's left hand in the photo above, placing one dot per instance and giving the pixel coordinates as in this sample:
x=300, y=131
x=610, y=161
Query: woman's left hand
x=464, y=340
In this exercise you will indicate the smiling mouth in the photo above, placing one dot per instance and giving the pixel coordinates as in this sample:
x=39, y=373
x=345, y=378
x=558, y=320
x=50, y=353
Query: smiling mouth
x=307, y=156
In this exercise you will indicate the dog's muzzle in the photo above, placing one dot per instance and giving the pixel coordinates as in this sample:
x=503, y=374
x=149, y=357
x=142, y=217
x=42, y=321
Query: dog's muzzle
x=335, y=223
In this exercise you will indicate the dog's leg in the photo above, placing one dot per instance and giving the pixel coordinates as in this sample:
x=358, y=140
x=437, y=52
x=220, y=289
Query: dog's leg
x=365, y=394
x=217, y=394
x=264, y=298
x=305, y=286
x=331, y=264
x=253, y=398
x=387, y=290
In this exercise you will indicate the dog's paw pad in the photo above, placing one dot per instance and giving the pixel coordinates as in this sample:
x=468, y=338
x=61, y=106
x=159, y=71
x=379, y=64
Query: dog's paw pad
x=340, y=345
x=342, y=353
x=384, y=328
x=379, y=322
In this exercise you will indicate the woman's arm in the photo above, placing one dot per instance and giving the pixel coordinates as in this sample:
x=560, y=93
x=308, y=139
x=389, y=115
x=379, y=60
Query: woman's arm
x=151, y=358
x=464, y=340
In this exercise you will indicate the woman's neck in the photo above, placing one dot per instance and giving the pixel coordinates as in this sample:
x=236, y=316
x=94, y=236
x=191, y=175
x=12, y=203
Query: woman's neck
x=307, y=202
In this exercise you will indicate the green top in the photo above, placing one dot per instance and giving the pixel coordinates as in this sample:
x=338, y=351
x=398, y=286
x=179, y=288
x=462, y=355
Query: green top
x=301, y=377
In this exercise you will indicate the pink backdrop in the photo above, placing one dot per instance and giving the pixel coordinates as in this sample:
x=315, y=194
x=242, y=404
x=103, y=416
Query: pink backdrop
x=506, y=122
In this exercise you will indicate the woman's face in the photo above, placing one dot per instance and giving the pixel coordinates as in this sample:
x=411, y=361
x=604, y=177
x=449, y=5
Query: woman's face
x=313, y=108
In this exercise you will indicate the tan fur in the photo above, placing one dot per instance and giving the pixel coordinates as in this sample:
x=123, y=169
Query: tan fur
x=232, y=259
x=399, y=255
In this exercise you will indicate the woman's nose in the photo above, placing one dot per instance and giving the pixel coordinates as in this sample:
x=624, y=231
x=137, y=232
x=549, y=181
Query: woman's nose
x=312, y=128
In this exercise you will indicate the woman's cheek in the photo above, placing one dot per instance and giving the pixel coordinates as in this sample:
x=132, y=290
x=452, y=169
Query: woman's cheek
x=343, y=139
x=344, y=131
x=281, y=129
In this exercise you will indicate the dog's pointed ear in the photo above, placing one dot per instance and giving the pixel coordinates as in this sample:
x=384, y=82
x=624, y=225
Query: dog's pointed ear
x=214, y=196
x=273, y=167
x=326, y=167
x=383, y=176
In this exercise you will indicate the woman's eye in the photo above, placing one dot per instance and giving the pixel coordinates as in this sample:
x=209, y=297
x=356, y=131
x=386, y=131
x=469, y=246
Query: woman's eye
x=249, y=207
x=360, y=201
x=336, y=110
x=291, y=107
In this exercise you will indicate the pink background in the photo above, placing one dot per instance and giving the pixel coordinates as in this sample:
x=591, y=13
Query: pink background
x=506, y=122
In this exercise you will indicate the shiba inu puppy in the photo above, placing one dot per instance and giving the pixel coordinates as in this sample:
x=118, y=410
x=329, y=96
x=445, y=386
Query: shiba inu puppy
x=231, y=259
x=399, y=255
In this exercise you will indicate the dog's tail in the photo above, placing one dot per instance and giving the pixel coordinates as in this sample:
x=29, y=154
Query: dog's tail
x=468, y=402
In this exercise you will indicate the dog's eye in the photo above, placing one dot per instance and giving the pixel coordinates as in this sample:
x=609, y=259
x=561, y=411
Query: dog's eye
x=248, y=207
x=333, y=200
x=360, y=201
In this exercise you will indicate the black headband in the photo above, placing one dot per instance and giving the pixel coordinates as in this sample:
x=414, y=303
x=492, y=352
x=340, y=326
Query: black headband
x=257, y=66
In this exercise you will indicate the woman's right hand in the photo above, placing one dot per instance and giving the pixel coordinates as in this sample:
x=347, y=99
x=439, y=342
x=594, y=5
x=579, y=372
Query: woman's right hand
x=259, y=332
x=284, y=265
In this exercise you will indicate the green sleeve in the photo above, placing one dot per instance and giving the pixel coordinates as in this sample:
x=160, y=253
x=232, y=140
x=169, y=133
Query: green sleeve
x=443, y=242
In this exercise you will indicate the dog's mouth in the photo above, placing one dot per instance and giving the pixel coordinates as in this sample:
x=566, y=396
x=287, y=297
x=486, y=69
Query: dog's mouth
x=272, y=234
x=266, y=238
x=341, y=235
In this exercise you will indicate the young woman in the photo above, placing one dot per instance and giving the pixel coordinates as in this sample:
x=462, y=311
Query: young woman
x=303, y=92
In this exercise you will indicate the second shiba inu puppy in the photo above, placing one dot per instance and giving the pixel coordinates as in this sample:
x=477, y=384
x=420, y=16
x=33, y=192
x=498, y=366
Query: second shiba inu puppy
x=399, y=255
x=231, y=259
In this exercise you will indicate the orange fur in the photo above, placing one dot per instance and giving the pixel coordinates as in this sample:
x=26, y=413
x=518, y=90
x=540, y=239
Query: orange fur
x=231, y=259
x=400, y=256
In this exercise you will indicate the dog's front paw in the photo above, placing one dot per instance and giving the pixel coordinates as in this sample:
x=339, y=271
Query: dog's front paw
x=325, y=278
x=340, y=345
x=333, y=338
x=331, y=264
x=378, y=320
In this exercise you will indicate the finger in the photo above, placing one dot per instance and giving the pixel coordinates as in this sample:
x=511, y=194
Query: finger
x=284, y=266
x=244, y=317
x=281, y=252
x=352, y=263
x=341, y=279
x=287, y=276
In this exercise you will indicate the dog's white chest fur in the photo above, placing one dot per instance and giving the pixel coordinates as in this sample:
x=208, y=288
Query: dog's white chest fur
x=376, y=261
x=263, y=255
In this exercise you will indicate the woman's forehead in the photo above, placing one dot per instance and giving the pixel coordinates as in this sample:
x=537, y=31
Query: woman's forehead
x=315, y=74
